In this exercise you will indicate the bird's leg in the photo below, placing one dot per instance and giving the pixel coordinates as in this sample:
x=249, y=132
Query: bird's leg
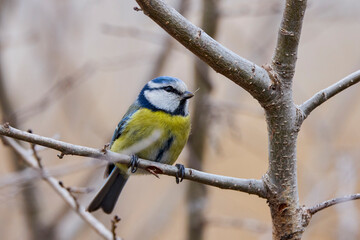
x=134, y=163
x=180, y=173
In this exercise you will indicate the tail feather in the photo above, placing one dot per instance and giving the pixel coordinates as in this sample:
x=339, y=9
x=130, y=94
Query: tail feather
x=107, y=196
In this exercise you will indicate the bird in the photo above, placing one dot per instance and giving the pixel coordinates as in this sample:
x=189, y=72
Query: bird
x=162, y=106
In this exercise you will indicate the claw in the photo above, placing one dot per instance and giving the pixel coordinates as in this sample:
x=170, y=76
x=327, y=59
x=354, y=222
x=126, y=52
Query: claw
x=180, y=173
x=134, y=163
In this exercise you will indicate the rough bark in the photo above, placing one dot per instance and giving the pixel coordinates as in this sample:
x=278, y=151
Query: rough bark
x=281, y=178
x=284, y=121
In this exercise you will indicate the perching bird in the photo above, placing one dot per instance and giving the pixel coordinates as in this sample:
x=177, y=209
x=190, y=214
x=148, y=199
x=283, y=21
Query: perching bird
x=162, y=106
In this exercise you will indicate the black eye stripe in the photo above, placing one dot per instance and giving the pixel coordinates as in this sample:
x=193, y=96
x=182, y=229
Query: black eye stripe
x=171, y=89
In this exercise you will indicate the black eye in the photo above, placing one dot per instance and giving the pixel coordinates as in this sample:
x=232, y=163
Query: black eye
x=169, y=89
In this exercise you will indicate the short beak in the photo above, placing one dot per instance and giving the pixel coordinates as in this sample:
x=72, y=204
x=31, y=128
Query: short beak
x=187, y=95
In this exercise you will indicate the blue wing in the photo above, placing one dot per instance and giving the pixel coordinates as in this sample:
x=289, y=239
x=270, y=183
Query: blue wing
x=122, y=124
x=119, y=129
x=107, y=196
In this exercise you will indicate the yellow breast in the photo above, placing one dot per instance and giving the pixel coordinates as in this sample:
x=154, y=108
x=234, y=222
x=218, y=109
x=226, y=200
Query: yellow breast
x=166, y=149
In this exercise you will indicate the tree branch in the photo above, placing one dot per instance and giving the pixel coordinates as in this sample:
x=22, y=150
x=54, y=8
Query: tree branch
x=29, y=174
x=65, y=195
x=283, y=128
x=331, y=202
x=197, y=194
x=251, y=186
x=325, y=94
x=285, y=54
x=246, y=74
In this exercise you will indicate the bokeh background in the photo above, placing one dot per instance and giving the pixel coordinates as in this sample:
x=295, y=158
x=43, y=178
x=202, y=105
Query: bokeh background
x=70, y=69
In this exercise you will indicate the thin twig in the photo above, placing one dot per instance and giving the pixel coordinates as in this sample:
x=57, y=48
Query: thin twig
x=251, y=186
x=71, y=194
x=80, y=190
x=65, y=195
x=325, y=94
x=64, y=225
x=114, y=221
x=246, y=74
x=35, y=154
x=331, y=202
x=29, y=174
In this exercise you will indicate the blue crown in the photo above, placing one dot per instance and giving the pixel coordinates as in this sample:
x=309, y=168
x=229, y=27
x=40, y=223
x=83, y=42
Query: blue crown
x=164, y=79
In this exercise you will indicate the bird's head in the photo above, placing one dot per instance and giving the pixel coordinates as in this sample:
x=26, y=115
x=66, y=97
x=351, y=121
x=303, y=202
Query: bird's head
x=166, y=94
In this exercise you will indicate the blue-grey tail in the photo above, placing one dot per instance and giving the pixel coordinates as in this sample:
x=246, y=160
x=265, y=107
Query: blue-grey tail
x=108, y=195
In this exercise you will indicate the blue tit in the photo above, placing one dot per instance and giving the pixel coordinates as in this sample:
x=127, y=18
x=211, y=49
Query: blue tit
x=161, y=106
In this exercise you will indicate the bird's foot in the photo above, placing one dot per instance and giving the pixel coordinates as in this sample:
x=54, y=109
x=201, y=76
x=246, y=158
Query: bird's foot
x=134, y=163
x=180, y=173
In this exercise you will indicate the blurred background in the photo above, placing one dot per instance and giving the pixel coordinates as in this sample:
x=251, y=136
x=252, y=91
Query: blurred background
x=69, y=69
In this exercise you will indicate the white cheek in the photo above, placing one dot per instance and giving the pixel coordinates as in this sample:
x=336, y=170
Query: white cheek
x=155, y=85
x=163, y=100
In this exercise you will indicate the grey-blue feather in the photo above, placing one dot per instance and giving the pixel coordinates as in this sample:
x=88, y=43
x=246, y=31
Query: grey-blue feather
x=122, y=124
x=107, y=196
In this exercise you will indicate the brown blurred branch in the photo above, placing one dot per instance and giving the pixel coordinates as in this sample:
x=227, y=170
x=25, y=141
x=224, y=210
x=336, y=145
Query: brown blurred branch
x=168, y=45
x=325, y=94
x=331, y=202
x=201, y=124
x=251, y=186
x=29, y=191
x=162, y=58
x=63, y=192
x=58, y=90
